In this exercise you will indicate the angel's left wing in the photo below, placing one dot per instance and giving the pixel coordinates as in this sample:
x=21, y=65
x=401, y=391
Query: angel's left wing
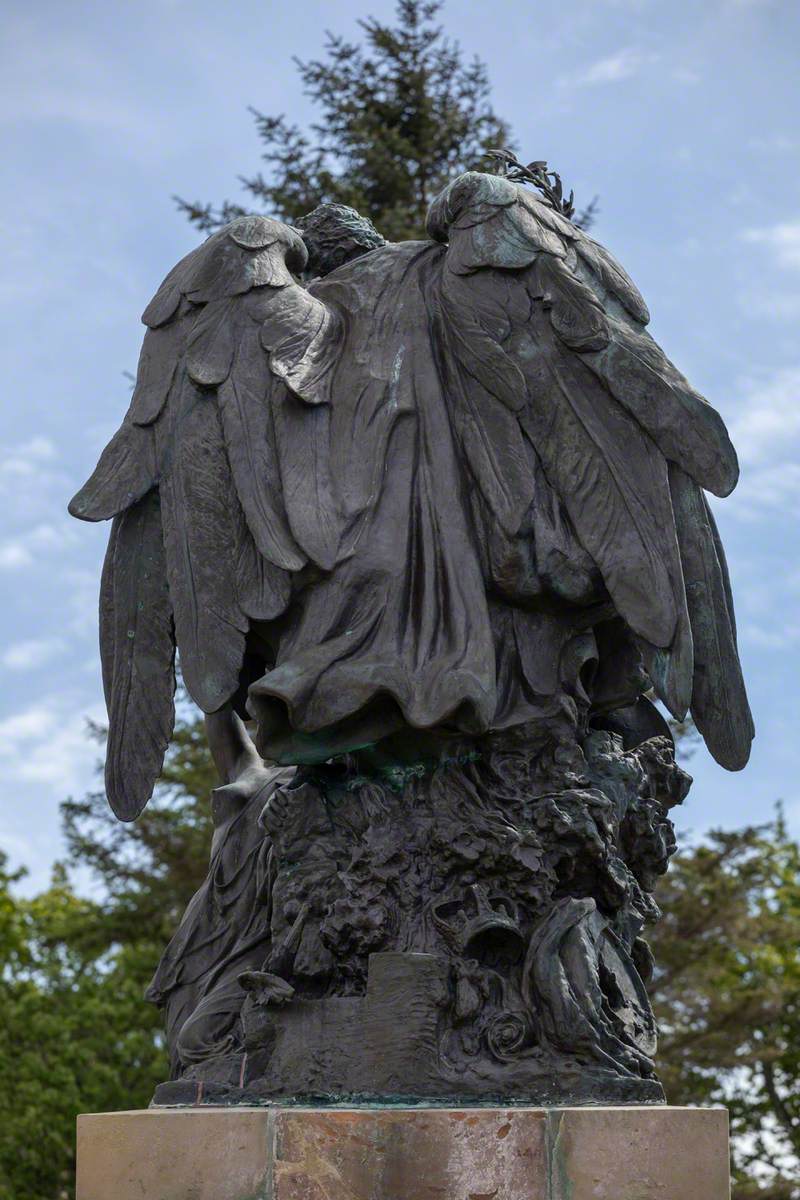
x=548, y=333
x=208, y=484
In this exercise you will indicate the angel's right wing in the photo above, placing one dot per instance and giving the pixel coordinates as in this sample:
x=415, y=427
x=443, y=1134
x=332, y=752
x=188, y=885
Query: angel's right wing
x=552, y=356
x=208, y=484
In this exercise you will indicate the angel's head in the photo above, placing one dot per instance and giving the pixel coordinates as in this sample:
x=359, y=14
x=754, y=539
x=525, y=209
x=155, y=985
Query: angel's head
x=334, y=234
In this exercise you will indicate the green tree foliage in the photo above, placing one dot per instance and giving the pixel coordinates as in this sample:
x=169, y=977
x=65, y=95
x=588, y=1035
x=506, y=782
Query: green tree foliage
x=150, y=868
x=727, y=995
x=398, y=117
x=76, y=1034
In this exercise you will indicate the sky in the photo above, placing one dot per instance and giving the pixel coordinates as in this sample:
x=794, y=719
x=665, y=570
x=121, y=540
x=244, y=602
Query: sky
x=684, y=119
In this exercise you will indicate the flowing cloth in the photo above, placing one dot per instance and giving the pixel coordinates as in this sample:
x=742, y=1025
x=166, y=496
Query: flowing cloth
x=432, y=617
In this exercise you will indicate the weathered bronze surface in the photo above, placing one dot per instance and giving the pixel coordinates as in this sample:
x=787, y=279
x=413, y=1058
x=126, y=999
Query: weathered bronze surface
x=433, y=524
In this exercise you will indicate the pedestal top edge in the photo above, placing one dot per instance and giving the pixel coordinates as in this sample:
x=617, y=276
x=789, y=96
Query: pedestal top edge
x=472, y=1110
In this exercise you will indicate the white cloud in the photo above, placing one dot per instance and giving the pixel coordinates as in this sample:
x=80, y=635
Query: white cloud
x=27, y=458
x=686, y=74
x=773, y=304
x=775, y=637
x=47, y=535
x=32, y=483
x=769, y=420
x=775, y=488
x=35, y=652
x=19, y=847
x=35, y=544
x=783, y=239
x=47, y=743
x=773, y=143
x=611, y=69
x=14, y=555
x=82, y=588
x=55, y=76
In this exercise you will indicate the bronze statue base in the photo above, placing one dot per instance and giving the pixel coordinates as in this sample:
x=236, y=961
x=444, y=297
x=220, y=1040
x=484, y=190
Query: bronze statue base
x=377, y=1047
x=466, y=933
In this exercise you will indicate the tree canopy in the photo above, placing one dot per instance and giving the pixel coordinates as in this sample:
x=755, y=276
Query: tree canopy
x=76, y=1034
x=399, y=116
x=726, y=992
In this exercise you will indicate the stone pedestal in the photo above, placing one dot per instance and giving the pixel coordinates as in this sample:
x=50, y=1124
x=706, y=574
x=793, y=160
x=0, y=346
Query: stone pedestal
x=204, y=1153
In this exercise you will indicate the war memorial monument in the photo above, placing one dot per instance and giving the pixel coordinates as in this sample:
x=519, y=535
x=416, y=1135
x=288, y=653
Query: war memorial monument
x=426, y=524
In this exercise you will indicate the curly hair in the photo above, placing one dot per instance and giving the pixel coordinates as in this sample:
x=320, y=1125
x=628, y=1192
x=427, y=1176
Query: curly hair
x=334, y=234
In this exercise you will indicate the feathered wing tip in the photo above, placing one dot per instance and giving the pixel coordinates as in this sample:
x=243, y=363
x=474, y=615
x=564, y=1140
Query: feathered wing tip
x=637, y=373
x=128, y=466
x=719, y=703
x=671, y=669
x=218, y=580
x=624, y=439
x=137, y=650
x=199, y=537
x=686, y=428
x=126, y=472
x=595, y=308
x=191, y=556
x=472, y=198
x=610, y=476
x=200, y=429
x=613, y=278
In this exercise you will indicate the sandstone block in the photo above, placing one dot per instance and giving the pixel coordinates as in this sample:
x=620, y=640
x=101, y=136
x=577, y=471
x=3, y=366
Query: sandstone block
x=424, y=1153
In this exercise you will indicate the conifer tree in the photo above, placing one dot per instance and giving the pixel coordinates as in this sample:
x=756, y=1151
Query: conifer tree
x=399, y=116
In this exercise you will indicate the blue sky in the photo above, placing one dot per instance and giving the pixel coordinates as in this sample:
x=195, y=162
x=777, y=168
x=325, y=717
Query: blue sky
x=682, y=116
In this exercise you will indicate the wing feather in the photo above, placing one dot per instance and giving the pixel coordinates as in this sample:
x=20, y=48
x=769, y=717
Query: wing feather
x=612, y=480
x=158, y=361
x=200, y=540
x=543, y=213
x=671, y=669
x=482, y=357
x=575, y=313
x=300, y=334
x=623, y=438
x=485, y=398
x=137, y=651
x=611, y=276
x=229, y=269
x=302, y=435
x=685, y=426
x=107, y=649
x=164, y=305
x=125, y=473
x=248, y=428
x=212, y=342
x=263, y=590
x=719, y=701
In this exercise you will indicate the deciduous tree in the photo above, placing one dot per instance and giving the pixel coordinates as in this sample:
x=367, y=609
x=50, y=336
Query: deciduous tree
x=727, y=995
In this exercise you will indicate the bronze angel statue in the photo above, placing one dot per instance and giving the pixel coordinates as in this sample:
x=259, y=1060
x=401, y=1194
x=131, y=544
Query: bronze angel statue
x=427, y=522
